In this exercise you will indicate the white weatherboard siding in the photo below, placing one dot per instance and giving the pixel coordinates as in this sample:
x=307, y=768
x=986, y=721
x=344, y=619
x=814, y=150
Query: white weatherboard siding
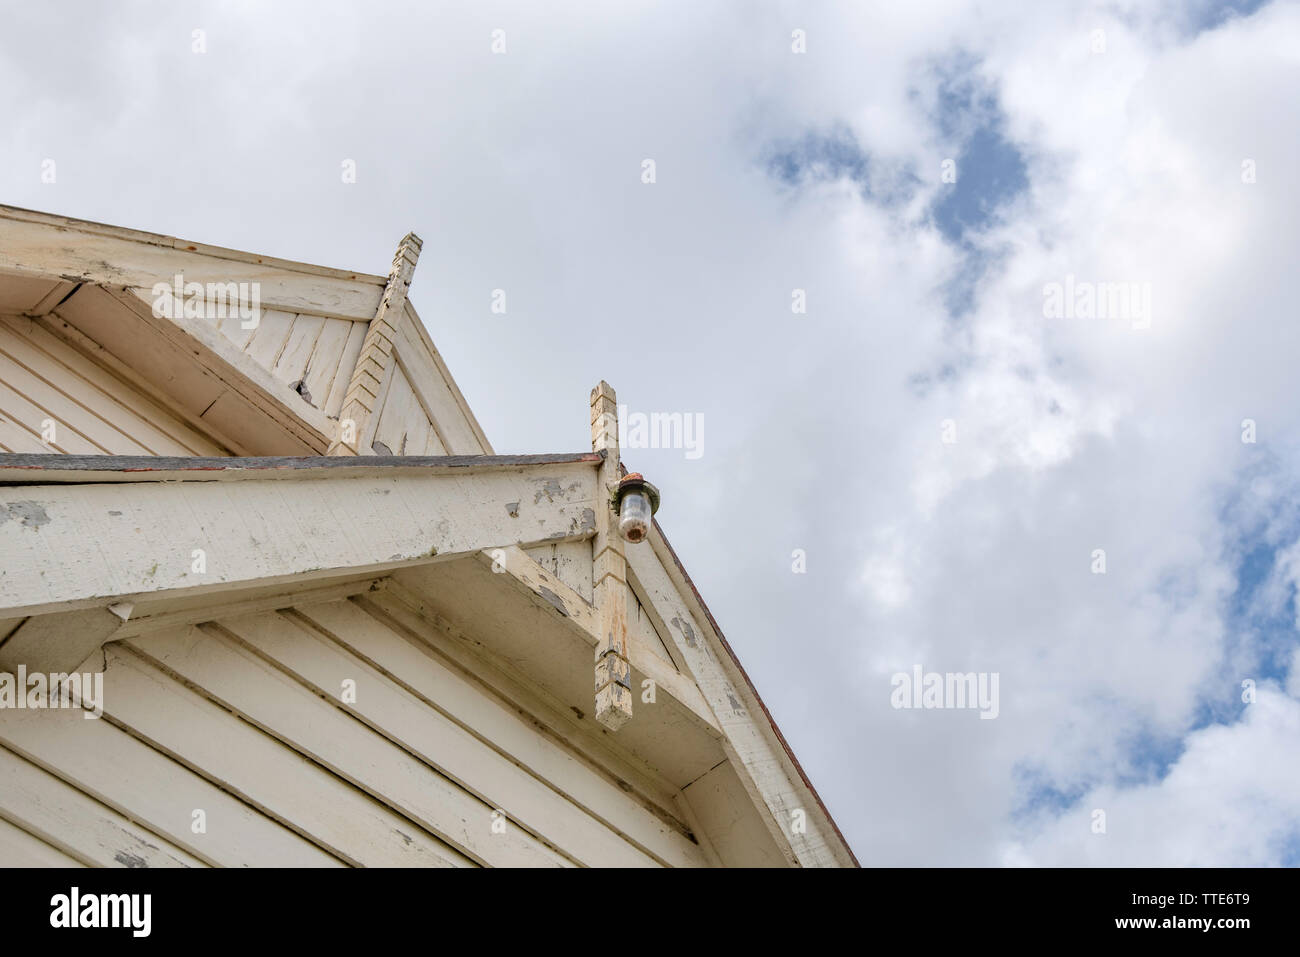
x=244, y=718
x=44, y=380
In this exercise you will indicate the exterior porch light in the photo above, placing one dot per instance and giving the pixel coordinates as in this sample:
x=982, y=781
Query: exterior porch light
x=636, y=501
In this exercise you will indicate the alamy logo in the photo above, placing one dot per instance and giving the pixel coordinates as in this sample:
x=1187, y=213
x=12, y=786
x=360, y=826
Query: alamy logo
x=662, y=430
x=214, y=300
x=922, y=689
x=39, y=691
x=103, y=910
x=1098, y=300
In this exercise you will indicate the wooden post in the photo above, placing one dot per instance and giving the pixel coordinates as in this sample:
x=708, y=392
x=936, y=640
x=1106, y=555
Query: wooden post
x=609, y=571
x=376, y=352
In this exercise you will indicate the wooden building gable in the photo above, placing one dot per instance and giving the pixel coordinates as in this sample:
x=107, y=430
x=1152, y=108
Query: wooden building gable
x=324, y=614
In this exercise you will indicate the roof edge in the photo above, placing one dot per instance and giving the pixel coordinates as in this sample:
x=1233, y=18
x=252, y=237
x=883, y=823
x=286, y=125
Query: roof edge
x=20, y=214
x=47, y=469
x=722, y=640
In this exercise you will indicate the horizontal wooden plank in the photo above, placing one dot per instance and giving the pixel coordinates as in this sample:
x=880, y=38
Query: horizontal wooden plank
x=282, y=707
x=20, y=849
x=99, y=390
x=446, y=687
x=393, y=711
x=77, y=824
x=260, y=770
x=136, y=780
x=51, y=393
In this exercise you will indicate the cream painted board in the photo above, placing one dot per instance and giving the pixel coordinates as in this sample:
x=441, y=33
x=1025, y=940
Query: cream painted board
x=298, y=347
x=347, y=362
x=15, y=437
x=25, y=411
x=65, y=817
x=432, y=383
x=443, y=686
x=323, y=364
x=725, y=810
x=282, y=707
x=259, y=769
x=20, y=849
x=22, y=294
x=403, y=427
x=140, y=782
x=144, y=535
x=40, y=245
x=570, y=562
x=402, y=718
x=98, y=393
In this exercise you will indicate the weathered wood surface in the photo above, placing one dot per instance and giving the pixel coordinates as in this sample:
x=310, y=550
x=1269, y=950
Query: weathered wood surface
x=539, y=651
x=613, y=679
x=77, y=824
x=118, y=331
x=246, y=719
x=43, y=379
x=301, y=652
x=43, y=245
x=250, y=376
x=437, y=391
x=44, y=468
x=20, y=849
x=376, y=363
x=161, y=793
x=64, y=545
x=725, y=810
x=89, y=355
x=457, y=693
x=243, y=759
x=518, y=568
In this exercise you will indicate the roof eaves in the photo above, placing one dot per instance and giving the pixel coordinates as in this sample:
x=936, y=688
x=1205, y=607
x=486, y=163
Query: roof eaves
x=172, y=242
x=26, y=469
x=722, y=640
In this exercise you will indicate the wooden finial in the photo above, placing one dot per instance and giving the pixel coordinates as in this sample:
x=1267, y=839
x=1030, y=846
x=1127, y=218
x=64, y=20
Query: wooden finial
x=376, y=353
x=609, y=572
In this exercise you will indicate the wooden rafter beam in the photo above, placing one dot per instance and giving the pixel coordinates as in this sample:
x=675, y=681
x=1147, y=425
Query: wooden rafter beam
x=42, y=244
x=222, y=524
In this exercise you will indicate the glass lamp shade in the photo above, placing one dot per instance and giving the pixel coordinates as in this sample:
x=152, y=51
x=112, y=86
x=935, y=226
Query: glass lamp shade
x=634, y=516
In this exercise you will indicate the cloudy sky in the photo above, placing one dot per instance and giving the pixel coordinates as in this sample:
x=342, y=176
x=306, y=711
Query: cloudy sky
x=955, y=460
